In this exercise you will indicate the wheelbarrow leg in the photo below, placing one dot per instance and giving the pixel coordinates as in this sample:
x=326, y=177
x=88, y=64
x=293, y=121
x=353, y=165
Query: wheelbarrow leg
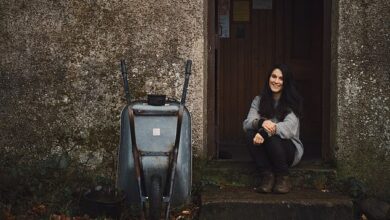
x=174, y=160
x=137, y=164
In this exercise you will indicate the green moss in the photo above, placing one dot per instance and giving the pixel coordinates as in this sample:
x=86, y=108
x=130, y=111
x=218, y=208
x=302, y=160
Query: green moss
x=370, y=166
x=46, y=167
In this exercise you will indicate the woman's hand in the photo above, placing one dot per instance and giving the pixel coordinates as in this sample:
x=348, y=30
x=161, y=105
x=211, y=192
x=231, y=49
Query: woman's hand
x=269, y=127
x=258, y=139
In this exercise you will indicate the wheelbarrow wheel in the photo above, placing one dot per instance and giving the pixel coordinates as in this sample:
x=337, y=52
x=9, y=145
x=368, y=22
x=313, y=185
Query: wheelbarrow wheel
x=155, y=202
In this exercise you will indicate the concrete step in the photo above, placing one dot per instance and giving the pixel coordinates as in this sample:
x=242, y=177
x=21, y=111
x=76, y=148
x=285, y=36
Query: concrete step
x=243, y=203
x=307, y=175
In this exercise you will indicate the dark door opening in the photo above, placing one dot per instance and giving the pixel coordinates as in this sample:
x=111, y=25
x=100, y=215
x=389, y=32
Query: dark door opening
x=251, y=36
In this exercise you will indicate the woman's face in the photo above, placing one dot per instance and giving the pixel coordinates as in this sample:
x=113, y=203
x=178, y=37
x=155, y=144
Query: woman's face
x=276, y=81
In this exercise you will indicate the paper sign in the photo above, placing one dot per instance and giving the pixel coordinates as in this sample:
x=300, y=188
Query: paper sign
x=223, y=29
x=241, y=11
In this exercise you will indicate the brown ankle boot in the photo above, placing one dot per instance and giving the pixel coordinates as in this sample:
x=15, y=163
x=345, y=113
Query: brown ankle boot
x=267, y=182
x=282, y=185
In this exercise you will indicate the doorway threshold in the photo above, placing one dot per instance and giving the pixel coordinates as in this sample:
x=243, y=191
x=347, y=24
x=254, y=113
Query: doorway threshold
x=313, y=174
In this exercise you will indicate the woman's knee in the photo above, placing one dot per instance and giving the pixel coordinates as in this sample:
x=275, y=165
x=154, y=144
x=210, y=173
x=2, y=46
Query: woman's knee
x=275, y=140
x=274, y=145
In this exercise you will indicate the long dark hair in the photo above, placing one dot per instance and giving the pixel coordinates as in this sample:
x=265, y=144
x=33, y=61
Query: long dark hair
x=290, y=100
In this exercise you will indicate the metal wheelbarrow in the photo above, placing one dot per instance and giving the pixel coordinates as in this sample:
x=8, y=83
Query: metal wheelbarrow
x=155, y=154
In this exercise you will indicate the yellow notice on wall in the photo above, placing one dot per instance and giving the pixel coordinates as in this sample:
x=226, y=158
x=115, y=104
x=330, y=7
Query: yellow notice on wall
x=241, y=11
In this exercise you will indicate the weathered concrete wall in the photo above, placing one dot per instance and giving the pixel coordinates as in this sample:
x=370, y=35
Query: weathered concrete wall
x=60, y=82
x=363, y=92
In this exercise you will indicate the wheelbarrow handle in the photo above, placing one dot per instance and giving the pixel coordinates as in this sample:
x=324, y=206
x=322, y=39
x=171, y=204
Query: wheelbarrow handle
x=188, y=67
x=186, y=81
x=125, y=81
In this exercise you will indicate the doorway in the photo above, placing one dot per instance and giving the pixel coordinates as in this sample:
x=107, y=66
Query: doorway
x=247, y=37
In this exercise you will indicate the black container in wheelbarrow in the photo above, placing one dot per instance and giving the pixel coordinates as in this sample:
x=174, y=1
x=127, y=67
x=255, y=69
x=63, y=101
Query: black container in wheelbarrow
x=155, y=154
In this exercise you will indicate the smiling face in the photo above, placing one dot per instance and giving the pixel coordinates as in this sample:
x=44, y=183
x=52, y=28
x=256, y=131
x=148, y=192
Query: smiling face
x=276, y=82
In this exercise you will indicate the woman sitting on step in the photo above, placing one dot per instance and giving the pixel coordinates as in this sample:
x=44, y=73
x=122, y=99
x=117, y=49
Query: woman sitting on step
x=272, y=128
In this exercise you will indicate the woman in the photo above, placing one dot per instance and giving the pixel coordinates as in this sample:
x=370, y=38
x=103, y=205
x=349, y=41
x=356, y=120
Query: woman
x=272, y=128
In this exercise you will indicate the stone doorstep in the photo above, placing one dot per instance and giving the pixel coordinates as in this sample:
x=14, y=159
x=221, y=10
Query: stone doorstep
x=243, y=203
x=307, y=175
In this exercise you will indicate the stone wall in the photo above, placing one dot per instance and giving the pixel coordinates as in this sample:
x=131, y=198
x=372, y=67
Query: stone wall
x=61, y=89
x=60, y=83
x=362, y=64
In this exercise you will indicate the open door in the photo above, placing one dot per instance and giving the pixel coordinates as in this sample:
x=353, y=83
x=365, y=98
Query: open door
x=250, y=37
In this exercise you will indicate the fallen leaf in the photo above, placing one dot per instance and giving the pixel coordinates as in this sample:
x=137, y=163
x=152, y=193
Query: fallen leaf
x=186, y=212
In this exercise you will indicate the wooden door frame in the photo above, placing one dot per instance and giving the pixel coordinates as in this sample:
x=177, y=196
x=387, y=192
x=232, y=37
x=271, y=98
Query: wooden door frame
x=211, y=145
x=326, y=144
x=327, y=151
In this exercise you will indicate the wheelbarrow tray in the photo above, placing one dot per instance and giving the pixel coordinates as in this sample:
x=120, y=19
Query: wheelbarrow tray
x=155, y=132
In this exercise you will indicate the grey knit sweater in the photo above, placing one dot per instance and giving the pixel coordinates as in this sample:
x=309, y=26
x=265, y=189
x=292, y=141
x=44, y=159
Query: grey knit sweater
x=286, y=129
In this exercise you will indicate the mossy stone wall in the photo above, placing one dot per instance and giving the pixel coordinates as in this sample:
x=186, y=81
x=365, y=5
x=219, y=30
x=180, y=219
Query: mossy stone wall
x=60, y=83
x=362, y=65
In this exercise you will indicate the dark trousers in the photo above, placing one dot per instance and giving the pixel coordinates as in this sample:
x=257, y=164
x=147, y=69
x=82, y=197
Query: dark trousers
x=275, y=154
